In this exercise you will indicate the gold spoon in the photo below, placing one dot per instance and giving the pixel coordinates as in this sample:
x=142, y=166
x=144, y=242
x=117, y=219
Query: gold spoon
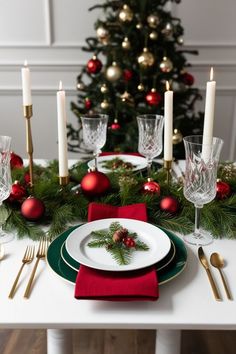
x=218, y=262
x=1, y=252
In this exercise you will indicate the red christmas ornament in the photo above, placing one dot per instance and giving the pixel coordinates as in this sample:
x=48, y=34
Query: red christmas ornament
x=18, y=192
x=115, y=125
x=223, y=190
x=16, y=161
x=187, y=79
x=153, y=97
x=128, y=74
x=169, y=205
x=32, y=208
x=95, y=183
x=94, y=65
x=129, y=242
x=27, y=178
x=87, y=103
x=151, y=187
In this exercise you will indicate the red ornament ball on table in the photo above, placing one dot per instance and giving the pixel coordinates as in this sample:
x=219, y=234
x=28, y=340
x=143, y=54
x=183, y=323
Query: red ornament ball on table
x=95, y=183
x=15, y=161
x=87, y=103
x=153, y=98
x=94, y=65
x=32, y=208
x=128, y=74
x=187, y=79
x=169, y=205
x=223, y=190
x=151, y=187
x=18, y=192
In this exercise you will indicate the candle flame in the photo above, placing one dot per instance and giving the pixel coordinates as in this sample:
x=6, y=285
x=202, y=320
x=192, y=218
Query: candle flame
x=167, y=86
x=60, y=85
x=211, y=74
x=25, y=63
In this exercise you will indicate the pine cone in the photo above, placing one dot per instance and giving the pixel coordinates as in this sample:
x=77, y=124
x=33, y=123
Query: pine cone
x=120, y=234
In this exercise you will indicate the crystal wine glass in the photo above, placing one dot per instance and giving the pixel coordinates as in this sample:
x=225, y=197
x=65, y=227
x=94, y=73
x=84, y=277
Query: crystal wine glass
x=94, y=132
x=5, y=181
x=150, y=128
x=200, y=180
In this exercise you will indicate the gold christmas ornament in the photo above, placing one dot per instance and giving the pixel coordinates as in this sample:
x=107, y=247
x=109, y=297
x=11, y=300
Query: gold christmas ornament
x=141, y=87
x=146, y=59
x=139, y=25
x=168, y=29
x=177, y=137
x=104, y=88
x=180, y=40
x=80, y=86
x=153, y=35
x=153, y=21
x=113, y=72
x=105, y=104
x=127, y=98
x=126, y=44
x=166, y=65
x=126, y=14
x=103, y=35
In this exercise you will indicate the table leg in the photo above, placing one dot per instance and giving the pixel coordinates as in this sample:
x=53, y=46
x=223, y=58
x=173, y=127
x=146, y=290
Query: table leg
x=168, y=341
x=59, y=341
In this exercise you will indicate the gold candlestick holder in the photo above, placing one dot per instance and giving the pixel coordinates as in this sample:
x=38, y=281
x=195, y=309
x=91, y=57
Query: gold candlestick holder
x=28, y=112
x=64, y=180
x=168, y=168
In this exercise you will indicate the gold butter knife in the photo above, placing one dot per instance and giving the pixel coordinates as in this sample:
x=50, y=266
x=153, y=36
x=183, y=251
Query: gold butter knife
x=205, y=264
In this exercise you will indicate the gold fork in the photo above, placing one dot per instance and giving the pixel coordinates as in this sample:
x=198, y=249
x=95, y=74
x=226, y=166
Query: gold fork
x=27, y=258
x=41, y=253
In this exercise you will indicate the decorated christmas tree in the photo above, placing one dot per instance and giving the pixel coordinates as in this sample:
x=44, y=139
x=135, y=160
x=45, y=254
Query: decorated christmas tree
x=137, y=48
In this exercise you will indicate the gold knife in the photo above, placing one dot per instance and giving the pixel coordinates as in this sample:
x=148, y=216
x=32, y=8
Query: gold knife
x=205, y=264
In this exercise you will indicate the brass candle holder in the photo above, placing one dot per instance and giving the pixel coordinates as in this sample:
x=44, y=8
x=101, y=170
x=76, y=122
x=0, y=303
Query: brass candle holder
x=28, y=112
x=168, y=168
x=63, y=181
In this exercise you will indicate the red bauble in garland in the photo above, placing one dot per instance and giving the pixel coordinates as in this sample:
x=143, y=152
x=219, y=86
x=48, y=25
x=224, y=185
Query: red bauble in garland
x=18, y=192
x=129, y=242
x=128, y=74
x=95, y=183
x=153, y=98
x=94, y=65
x=187, y=79
x=115, y=125
x=223, y=190
x=169, y=205
x=151, y=187
x=32, y=208
x=87, y=103
x=16, y=161
x=27, y=178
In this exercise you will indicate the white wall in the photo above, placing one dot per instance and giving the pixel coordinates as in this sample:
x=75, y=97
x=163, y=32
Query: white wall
x=50, y=33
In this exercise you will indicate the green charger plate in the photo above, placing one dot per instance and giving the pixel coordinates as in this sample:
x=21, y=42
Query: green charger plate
x=63, y=270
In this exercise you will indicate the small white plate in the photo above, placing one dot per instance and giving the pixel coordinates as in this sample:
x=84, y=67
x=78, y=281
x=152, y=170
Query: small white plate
x=98, y=258
x=138, y=162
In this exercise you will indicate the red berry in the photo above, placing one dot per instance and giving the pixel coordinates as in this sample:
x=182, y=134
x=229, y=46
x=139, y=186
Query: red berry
x=129, y=242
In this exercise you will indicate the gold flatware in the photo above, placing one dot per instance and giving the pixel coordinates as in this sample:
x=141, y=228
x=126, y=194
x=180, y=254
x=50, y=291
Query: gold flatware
x=205, y=264
x=2, y=252
x=27, y=258
x=41, y=254
x=218, y=262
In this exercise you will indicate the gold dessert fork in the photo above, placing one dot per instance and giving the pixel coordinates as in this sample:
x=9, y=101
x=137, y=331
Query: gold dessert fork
x=27, y=258
x=41, y=254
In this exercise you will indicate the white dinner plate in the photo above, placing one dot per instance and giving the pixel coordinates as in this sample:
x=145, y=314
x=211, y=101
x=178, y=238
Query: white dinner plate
x=138, y=162
x=158, y=242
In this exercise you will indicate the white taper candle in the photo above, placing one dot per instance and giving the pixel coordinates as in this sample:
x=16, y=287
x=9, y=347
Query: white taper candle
x=168, y=123
x=26, y=85
x=62, y=136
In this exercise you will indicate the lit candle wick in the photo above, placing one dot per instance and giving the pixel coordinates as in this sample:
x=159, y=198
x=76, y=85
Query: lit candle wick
x=211, y=74
x=60, y=86
x=167, y=86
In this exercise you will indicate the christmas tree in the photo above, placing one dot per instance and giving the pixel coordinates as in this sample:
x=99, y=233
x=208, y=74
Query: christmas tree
x=137, y=48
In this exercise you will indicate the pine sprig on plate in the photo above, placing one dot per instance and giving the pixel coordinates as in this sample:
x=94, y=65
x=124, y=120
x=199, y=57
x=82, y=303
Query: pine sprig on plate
x=118, y=241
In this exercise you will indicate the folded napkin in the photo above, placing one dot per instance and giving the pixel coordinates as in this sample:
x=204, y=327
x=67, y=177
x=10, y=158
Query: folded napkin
x=138, y=285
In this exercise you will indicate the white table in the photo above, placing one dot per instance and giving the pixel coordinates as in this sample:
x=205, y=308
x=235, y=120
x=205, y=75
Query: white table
x=186, y=302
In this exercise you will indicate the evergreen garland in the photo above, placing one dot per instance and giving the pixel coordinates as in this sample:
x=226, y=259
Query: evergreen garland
x=68, y=205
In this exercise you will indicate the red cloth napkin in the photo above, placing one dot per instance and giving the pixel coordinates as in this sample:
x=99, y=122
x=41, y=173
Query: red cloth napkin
x=140, y=285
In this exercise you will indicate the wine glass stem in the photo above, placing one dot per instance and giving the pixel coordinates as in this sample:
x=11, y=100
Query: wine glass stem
x=149, y=167
x=197, y=220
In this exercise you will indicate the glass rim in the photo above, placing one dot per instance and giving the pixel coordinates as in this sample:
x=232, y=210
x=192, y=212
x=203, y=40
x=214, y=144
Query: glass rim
x=215, y=139
x=6, y=136
x=94, y=116
x=150, y=116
